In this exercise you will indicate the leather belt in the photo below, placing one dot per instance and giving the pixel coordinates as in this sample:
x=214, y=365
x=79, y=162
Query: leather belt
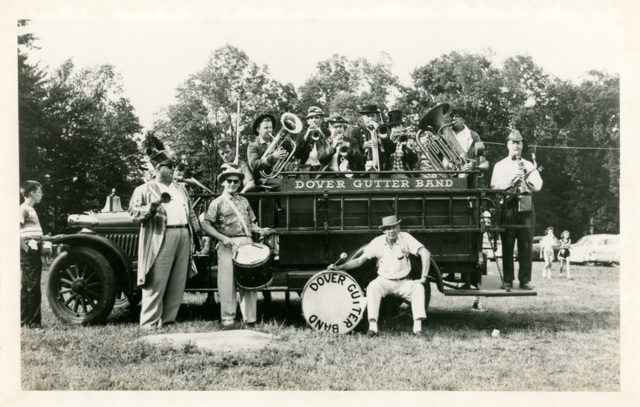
x=176, y=226
x=398, y=279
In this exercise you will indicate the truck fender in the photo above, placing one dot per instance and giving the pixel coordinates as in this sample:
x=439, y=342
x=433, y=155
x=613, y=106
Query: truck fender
x=120, y=262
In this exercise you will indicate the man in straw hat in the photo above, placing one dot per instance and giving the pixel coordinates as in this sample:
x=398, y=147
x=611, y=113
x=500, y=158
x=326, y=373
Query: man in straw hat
x=231, y=221
x=392, y=250
x=519, y=177
x=163, y=208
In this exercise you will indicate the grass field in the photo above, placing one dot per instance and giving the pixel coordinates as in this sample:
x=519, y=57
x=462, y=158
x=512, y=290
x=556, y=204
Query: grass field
x=565, y=339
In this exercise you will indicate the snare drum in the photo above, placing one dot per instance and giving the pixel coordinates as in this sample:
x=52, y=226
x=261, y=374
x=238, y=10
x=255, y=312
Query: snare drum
x=252, y=266
x=333, y=301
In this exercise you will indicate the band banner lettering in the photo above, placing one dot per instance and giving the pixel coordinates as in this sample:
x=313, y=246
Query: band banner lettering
x=365, y=184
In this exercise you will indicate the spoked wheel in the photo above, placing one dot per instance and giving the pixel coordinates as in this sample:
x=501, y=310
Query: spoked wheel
x=82, y=287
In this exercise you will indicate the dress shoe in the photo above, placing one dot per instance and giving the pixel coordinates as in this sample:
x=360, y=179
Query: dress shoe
x=372, y=334
x=527, y=286
x=250, y=325
x=506, y=286
x=229, y=327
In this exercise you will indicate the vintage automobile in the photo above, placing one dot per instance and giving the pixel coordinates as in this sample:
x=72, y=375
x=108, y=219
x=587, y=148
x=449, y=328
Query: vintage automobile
x=597, y=249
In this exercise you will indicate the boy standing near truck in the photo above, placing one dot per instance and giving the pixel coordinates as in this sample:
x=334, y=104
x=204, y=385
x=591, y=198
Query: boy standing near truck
x=31, y=238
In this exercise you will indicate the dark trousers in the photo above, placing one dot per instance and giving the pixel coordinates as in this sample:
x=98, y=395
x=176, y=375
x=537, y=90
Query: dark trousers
x=30, y=295
x=524, y=237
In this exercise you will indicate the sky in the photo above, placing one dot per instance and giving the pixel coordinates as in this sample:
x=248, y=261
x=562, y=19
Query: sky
x=156, y=53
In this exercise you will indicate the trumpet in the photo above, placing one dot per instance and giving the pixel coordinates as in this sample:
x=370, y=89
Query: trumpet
x=315, y=133
x=343, y=150
x=291, y=124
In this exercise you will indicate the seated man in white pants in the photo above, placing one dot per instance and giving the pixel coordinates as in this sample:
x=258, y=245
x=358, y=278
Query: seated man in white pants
x=392, y=250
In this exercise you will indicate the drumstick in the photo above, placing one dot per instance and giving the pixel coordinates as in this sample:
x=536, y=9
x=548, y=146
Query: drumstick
x=343, y=256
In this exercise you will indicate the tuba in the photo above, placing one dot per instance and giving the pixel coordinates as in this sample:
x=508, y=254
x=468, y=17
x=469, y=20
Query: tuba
x=291, y=124
x=440, y=147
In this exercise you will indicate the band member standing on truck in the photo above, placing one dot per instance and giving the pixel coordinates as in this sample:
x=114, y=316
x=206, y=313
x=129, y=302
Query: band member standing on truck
x=163, y=208
x=392, y=250
x=363, y=134
x=346, y=156
x=520, y=178
x=231, y=220
x=404, y=158
x=312, y=148
x=468, y=140
x=263, y=128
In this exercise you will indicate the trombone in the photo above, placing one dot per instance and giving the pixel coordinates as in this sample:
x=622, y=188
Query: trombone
x=291, y=124
x=373, y=155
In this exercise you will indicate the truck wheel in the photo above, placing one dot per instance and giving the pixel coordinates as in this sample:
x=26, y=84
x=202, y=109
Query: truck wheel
x=82, y=287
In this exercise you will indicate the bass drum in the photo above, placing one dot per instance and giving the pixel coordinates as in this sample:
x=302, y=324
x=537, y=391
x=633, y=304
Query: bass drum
x=252, y=266
x=333, y=301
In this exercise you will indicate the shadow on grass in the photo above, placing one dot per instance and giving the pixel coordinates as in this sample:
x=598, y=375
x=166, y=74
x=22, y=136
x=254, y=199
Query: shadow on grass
x=281, y=313
x=274, y=311
x=509, y=322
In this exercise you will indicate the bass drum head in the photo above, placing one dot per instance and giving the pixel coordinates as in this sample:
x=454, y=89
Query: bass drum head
x=333, y=301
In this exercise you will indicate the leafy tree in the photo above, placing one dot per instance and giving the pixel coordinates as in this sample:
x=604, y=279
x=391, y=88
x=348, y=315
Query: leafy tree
x=76, y=135
x=206, y=112
x=341, y=83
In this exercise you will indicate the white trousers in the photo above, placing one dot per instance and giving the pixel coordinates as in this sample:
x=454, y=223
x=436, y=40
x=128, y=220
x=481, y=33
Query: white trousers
x=227, y=286
x=410, y=290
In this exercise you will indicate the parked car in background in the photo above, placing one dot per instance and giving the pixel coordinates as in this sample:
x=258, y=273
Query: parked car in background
x=535, y=249
x=592, y=249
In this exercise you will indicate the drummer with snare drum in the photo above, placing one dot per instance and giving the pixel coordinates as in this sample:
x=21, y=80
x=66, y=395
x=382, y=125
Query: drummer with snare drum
x=231, y=220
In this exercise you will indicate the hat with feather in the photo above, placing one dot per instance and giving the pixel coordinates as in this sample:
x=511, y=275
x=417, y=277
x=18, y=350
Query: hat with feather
x=156, y=151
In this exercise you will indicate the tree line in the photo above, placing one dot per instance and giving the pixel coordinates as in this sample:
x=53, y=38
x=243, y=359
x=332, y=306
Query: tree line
x=81, y=137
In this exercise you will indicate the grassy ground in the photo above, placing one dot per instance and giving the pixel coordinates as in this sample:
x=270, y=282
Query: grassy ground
x=565, y=339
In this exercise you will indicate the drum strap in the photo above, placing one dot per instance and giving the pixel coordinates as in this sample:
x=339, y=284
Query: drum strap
x=235, y=209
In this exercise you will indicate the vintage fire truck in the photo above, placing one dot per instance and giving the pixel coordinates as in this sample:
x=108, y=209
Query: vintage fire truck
x=316, y=220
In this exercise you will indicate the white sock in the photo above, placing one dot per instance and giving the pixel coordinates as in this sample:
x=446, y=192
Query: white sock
x=417, y=325
x=373, y=325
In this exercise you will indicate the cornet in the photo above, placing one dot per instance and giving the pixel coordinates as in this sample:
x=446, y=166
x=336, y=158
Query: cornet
x=315, y=133
x=291, y=124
